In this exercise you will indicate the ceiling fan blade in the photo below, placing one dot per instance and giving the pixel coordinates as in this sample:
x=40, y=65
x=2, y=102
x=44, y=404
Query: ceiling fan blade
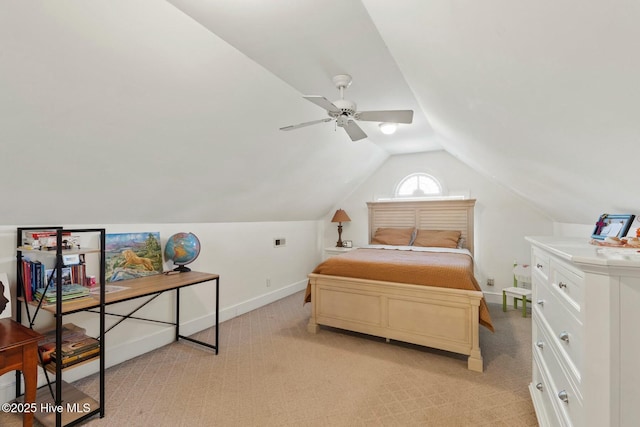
x=354, y=131
x=301, y=125
x=391, y=116
x=323, y=102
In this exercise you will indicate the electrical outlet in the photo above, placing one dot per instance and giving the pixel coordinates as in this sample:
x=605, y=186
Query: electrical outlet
x=268, y=283
x=490, y=281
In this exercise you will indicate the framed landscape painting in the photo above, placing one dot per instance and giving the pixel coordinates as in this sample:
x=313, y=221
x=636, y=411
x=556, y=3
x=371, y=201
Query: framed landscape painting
x=132, y=255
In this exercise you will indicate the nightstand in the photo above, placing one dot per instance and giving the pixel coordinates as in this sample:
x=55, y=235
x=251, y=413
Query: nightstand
x=333, y=251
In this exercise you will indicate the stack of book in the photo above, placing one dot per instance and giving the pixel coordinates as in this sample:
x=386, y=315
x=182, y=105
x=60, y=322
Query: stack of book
x=74, y=352
x=76, y=347
x=46, y=239
x=71, y=291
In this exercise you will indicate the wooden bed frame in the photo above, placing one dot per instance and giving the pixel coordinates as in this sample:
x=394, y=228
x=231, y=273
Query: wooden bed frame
x=441, y=318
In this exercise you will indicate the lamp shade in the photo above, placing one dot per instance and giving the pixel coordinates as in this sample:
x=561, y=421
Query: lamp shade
x=340, y=216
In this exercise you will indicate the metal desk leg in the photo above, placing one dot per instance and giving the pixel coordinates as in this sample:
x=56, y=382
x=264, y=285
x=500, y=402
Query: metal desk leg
x=178, y=336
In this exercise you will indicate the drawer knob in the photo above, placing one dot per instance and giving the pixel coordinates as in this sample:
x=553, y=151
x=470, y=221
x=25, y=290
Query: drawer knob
x=564, y=336
x=539, y=266
x=540, y=344
x=562, y=285
x=541, y=302
x=563, y=396
x=539, y=386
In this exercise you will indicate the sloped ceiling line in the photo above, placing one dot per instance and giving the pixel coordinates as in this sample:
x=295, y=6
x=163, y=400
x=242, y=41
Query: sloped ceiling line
x=152, y=99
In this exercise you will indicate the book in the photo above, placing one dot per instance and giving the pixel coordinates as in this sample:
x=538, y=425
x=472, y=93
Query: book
x=39, y=272
x=74, y=350
x=71, y=291
x=43, y=238
x=73, y=360
x=40, y=234
x=68, y=330
x=78, y=357
x=26, y=280
x=47, y=344
x=75, y=346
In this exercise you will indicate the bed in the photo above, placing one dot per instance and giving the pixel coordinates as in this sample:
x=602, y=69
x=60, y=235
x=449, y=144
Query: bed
x=420, y=295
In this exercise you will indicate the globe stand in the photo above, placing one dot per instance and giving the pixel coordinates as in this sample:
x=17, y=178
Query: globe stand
x=182, y=269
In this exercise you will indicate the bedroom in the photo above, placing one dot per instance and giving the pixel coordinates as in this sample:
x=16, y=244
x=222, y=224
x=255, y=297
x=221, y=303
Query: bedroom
x=180, y=117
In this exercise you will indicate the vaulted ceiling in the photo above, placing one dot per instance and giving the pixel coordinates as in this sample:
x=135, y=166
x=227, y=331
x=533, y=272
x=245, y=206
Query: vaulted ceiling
x=154, y=111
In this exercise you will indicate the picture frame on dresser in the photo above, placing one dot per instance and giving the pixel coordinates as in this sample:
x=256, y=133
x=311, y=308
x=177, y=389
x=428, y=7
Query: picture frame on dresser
x=612, y=225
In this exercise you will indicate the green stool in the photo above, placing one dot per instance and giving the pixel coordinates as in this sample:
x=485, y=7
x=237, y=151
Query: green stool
x=517, y=294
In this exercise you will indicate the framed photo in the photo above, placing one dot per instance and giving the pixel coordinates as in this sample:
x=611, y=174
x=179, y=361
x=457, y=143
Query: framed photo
x=347, y=244
x=52, y=277
x=612, y=225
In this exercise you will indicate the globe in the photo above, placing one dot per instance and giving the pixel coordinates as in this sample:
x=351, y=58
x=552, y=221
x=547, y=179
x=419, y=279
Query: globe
x=182, y=249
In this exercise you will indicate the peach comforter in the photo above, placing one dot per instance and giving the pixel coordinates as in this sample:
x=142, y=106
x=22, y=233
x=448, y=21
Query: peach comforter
x=439, y=268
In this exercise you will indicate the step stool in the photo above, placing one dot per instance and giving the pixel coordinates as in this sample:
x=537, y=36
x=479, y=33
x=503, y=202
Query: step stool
x=521, y=275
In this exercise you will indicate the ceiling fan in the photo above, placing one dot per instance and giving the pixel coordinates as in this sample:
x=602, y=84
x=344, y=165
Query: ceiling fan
x=345, y=112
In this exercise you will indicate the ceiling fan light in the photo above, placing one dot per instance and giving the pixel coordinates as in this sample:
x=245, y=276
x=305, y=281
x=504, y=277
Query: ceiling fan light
x=388, y=128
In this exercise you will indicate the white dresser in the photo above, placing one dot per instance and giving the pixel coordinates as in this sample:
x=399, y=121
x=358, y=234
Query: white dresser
x=585, y=333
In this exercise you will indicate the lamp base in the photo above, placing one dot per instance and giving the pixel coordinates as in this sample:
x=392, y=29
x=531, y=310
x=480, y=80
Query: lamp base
x=339, y=243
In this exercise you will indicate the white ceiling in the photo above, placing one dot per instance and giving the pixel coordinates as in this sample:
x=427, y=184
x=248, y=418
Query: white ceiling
x=169, y=111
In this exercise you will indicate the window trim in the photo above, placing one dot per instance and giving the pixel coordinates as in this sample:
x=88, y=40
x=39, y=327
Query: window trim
x=435, y=180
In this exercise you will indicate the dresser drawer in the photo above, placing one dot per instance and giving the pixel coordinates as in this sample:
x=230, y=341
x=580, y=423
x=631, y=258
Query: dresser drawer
x=569, y=286
x=545, y=411
x=565, y=330
x=564, y=393
x=540, y=260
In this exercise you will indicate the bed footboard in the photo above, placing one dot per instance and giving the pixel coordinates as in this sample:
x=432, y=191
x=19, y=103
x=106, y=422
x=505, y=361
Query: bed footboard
x=442, y=318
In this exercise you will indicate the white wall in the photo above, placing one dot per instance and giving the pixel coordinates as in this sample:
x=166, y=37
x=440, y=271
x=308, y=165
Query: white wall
x=241, y=253
x=502, y=218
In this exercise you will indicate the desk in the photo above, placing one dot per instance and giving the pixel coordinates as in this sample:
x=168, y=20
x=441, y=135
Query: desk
x=147, y=286
x=19, y=352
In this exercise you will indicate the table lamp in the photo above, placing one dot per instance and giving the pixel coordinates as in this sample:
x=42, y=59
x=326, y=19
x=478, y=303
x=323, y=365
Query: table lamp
x=340, y=216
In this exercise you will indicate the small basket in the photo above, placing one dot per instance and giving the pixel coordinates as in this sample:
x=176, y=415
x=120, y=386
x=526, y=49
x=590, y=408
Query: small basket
x=522, y=274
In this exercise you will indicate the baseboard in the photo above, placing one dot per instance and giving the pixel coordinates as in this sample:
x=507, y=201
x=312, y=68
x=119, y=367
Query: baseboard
x=493, y=297
x=137, y=346
x=262, y=300
x=227, y=313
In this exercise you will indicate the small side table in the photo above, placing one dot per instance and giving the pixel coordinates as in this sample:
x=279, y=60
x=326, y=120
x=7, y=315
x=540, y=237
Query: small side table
x=333, y=251
x=19, y=352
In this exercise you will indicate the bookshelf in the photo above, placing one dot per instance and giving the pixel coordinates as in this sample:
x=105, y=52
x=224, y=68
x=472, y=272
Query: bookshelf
x=51, y=259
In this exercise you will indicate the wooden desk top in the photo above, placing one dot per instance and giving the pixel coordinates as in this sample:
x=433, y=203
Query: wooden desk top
x=13, y=334
x=140, y=287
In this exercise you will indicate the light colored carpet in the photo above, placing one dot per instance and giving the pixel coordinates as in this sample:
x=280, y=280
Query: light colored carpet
x=271, y=372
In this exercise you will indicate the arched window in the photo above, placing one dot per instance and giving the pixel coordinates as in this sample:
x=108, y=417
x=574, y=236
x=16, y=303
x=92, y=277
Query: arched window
x=418, y=185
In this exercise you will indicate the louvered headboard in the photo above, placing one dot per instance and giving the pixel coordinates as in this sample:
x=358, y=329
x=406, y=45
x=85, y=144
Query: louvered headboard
x=429, y=215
